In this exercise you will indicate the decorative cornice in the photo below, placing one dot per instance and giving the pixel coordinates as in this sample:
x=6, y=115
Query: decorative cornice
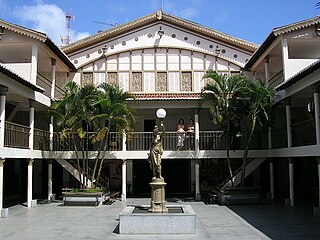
x=156, y=17
x=165, y=96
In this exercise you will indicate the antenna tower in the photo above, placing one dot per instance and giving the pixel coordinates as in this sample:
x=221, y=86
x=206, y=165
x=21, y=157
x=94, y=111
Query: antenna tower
x=67, y=38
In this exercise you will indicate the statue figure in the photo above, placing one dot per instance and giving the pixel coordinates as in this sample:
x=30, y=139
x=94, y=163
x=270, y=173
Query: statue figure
x=156, y=151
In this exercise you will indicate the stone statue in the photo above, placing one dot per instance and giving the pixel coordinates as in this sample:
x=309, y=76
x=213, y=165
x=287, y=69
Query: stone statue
x=156, y=151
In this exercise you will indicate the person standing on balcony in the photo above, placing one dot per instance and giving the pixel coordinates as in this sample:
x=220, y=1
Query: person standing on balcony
x=181, y=134
x=156, y=151
x=190, y=134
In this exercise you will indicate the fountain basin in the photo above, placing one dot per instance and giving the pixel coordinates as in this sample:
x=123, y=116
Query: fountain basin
x=180, y=219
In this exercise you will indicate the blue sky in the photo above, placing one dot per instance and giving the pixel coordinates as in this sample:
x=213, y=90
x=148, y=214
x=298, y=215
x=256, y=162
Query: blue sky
x=246, y=19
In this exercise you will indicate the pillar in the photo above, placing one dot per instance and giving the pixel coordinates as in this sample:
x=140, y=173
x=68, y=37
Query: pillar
x=51, y=134
x=1, y=182
x=288, y=118
x=266, y=68
x=124, y=181
x=196, y=134
x=31, y=123
x=318, y=181
x=34, y=64
x=285, y=57
x=3, y=93
x=53, y=77
x=29, y=190
x=271, y=179
x=49, y=180
x=197, y=176
x=317, y=115
x=129, y=176
x=291, y=182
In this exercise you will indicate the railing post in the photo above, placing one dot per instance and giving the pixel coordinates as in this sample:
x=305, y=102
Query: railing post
x=3, y=93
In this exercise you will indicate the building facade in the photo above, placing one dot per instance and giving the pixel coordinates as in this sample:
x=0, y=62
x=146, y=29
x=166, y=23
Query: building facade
x=161, y=60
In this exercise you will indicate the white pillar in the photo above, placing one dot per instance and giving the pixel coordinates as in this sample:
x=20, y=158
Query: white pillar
x=318, y=181
x=3, y=92
x=49, y=179
x=317, y=115
x=291, y=182
x=29, y=191
x=124, y=142
x=285, y=57
x=124, y=181
x=197, y=175
x=53, y=77
x=34, y=64
x=51, y=133
x=288, y=118
x=31, y=123
x=1, y=182
x=271, y=179
x=196, y=134
x=266, y=68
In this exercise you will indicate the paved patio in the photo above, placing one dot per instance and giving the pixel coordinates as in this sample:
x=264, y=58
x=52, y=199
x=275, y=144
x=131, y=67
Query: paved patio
x=53, y=221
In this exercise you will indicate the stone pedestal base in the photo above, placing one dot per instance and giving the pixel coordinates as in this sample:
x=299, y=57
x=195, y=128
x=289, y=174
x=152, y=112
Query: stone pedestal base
x=158, y=203
x=4, y=212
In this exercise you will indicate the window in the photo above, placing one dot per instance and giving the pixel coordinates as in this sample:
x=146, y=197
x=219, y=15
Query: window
x=149, y=82
x=99, y=78
x=124, y=81
x=174, y=83
x=198, y=81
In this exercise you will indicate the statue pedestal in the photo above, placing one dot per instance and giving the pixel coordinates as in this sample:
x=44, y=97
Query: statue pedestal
x=158, y=203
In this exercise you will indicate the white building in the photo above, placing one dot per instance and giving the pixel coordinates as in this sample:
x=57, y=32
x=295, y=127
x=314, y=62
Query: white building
x=161, y=60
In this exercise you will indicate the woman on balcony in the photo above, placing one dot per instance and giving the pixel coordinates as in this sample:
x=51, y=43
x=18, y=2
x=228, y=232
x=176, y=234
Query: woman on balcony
x=181, y=134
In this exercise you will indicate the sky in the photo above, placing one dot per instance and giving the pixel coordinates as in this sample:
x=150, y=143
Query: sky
x=246, y=19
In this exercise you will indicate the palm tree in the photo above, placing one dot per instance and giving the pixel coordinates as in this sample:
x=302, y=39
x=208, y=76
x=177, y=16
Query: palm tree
x=112, y=110
x=87, y=109
x=257, y=100
x=221, y=91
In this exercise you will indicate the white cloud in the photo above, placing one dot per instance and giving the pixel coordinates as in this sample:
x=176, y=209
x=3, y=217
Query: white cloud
x=47, y=18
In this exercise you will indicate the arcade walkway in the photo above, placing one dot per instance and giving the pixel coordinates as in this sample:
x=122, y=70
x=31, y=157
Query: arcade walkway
x=52, y=221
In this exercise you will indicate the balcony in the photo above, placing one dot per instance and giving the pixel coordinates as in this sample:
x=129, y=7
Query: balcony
x=45, y=83
x=17, y=136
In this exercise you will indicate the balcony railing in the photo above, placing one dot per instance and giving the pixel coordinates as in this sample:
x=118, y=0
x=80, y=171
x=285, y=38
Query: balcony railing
x=16, y=135
x=303, y=133
x=45, y=83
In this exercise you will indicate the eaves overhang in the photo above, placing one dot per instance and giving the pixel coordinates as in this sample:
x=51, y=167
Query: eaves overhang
x=277, y=32
x=156, y=17
x=42, y=37
x=298, y=76
x=20, y=80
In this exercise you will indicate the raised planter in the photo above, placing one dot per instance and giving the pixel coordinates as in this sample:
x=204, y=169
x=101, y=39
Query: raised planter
x=239, y=196
x=83, y=198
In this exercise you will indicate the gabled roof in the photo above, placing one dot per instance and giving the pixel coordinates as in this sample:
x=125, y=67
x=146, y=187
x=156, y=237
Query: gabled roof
x=19, y=79
x=277, y=32
x=298, y=76
x=42, y=37
x=156, y=17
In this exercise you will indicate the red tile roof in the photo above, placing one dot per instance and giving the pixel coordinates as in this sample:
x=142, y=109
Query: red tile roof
x=166, y=96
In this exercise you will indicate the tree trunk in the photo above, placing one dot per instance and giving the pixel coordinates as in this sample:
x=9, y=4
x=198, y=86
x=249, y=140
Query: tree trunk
x=228, y=154
x=245, y=155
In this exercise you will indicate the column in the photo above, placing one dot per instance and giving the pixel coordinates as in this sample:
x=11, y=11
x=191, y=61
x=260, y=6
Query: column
x=34, y=64
x=29, y=190
x=53, y=77
x=124, y=142
x=1, y=182
x=129, y=176
x=318, y=181
x=271, y=179
x=49, y=180
x=3, y=92
x=291, y=182
x=288, y=118
x=317, y=115
x=266, y=68
x=196, y=134
x=197, y=176
x=285, y=57
x=51, y=133
x=31, y=123
x=124, y=181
